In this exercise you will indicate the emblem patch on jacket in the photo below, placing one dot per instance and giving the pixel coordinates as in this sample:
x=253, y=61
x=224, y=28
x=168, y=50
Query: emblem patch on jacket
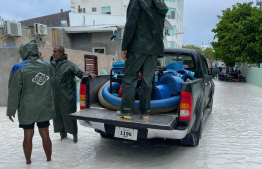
x=40, y=78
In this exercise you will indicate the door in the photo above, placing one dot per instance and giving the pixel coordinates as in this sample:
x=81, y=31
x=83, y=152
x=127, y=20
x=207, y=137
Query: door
x=207, y=80
x=91, y=64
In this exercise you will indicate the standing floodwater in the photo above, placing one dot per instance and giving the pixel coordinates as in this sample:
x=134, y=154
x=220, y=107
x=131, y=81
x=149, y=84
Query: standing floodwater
x=231, y=139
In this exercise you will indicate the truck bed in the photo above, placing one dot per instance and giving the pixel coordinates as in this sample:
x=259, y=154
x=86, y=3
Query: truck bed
x=97, y=113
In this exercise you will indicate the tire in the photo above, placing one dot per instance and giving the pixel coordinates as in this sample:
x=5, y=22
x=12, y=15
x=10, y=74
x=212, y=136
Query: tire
x=242, y=80
x=210, y=105
x=192, y=139
x=104, y=135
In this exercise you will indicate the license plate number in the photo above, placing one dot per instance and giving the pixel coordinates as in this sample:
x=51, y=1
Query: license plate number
x=126, y=133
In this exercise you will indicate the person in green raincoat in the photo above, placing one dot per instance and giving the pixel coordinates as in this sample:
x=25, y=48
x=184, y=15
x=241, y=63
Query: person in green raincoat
x=63, y=82
x=29, y=92
x=142, y=43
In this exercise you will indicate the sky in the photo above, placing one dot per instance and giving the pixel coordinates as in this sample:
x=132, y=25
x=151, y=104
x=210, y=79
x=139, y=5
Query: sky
x=200, y=16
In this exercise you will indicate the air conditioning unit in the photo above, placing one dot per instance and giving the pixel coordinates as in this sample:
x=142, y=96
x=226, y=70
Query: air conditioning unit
x=40, y=29
x=12, y=28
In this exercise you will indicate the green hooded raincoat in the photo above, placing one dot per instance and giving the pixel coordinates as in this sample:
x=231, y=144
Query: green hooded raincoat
x=143, y=40
x=29, y=88
x=64, y=87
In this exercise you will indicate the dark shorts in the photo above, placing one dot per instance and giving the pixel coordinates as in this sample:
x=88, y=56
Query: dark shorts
x=42, y=124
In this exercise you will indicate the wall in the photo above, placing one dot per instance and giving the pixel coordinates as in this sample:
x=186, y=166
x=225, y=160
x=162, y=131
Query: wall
x=252, y=75
x=53, y=20
x=14, y=41
x=117, y=6
x=53, y=38
x=76, y=41
x=81, y=41
x=78, y=57
x=82, y=19
x=112, y=47
x=8, y=58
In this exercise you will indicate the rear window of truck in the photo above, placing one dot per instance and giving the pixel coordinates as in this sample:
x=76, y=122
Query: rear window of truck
x=187, y=60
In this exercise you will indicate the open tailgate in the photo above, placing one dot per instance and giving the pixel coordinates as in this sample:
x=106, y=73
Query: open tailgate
x=102, y=115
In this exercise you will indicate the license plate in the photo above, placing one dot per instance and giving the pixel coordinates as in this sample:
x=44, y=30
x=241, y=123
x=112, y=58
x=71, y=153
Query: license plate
x=126, y=133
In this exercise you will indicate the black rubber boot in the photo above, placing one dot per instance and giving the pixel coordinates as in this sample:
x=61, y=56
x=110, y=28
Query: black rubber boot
x=63, y=135
x=75, y=138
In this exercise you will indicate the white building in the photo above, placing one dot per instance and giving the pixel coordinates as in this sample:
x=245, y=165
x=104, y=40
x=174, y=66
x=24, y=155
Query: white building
x=173, y=36
x=203, y=47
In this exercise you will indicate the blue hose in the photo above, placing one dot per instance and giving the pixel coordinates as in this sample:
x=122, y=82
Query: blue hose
x=154, y=104
x=161, y=92
x=172, y=82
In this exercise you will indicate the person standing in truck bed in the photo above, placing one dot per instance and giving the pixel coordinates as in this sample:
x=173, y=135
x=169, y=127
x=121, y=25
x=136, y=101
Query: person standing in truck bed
x=142, y=43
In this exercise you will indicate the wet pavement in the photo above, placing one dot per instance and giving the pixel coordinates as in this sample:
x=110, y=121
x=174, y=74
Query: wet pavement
x=231, y=139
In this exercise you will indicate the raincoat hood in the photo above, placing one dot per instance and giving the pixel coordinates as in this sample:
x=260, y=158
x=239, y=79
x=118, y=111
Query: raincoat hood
x=65, y=57
x=161, y=7
x=29, y=50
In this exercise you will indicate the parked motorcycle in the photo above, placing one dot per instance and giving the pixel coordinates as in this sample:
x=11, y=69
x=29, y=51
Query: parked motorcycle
x=233, y=76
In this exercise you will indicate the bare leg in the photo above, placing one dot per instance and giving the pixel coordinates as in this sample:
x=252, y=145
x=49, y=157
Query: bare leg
x=27, y=144
x=47, y=144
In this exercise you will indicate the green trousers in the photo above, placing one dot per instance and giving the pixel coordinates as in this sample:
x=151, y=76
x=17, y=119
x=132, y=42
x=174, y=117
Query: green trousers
x=146, y=65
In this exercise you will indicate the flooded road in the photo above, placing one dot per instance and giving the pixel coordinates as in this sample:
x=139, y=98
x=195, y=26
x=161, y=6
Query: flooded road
x=231, y=139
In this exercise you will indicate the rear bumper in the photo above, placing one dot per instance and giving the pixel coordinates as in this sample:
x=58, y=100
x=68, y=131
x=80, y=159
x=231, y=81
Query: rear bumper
x=151, y=133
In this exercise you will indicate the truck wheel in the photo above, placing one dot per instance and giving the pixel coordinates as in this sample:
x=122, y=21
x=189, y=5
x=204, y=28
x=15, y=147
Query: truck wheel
x=242, y=80
x=192, y=139
x=104, y=135
x=210, y=105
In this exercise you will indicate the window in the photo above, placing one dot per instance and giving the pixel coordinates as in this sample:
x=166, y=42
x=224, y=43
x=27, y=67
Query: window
x=171, y=14
x=186, y=59
x=205, y=64
x=91, y=64
x=170, y=0
x=106, y=10
x=93, y=9
x=202, y=63
x=99, y=50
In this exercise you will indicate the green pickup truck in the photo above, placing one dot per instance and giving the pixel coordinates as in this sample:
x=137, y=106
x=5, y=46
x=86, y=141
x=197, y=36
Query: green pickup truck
x=177, y=124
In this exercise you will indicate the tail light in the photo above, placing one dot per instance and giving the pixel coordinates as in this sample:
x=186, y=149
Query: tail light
x=186, y=106
x=120, y=92
x=82, y=96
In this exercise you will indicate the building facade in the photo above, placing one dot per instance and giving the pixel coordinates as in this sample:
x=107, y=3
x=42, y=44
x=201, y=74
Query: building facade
x=108, y=7
x=173, y=36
